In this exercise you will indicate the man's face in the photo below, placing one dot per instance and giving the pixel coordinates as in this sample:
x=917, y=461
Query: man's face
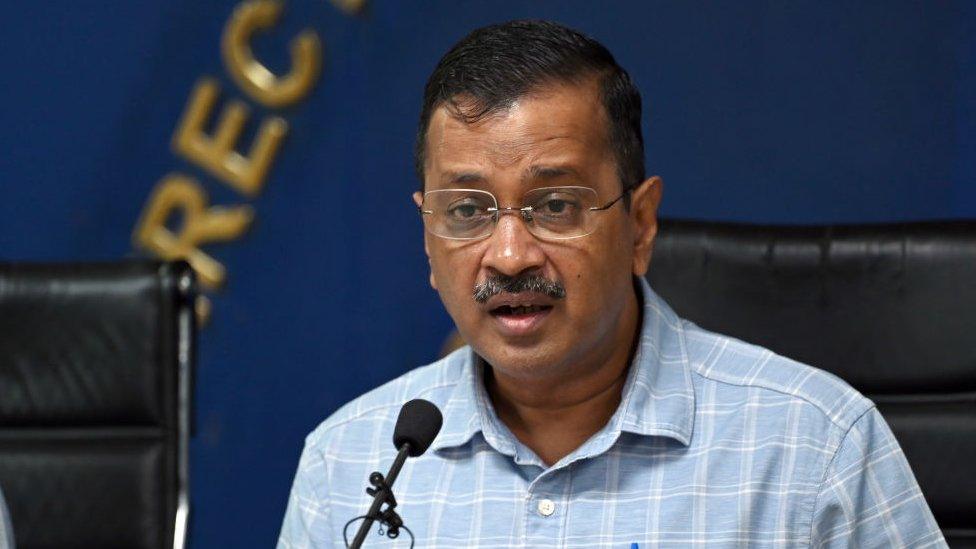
x=556, y=136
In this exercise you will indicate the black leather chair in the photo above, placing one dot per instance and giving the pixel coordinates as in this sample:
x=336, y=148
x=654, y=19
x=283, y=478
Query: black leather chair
x=889, y=308
x=95, y=383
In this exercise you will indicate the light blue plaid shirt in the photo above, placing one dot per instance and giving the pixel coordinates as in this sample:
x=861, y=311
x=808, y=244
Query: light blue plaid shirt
x=716, y=442
x=6, y=531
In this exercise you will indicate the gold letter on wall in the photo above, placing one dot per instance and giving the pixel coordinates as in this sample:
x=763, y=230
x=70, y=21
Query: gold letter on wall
x=216, y=153
x=200, y=224
x=251, y=75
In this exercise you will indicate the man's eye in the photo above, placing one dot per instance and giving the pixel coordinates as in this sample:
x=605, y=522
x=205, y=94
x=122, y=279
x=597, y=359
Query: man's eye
x=556, y=206
x=465, y=211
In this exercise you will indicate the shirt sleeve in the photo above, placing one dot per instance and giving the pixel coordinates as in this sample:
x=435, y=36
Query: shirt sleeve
x=306, y=524
x=6, y=531
x=869, y=496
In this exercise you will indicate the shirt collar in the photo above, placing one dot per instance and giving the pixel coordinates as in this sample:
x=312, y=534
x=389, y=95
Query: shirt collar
x=658, y=397
x=468, y=410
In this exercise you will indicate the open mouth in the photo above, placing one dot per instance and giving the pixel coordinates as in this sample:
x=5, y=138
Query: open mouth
x=520, y=320
x=521, y=310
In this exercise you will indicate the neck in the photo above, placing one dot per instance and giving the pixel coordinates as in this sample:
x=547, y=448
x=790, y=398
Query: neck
x=554, y=415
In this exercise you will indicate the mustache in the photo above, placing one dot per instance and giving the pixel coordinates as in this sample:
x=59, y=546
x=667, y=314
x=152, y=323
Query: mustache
x=496, y=284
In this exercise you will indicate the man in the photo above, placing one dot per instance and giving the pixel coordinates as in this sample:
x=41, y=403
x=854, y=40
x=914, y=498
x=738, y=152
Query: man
x=585, y=413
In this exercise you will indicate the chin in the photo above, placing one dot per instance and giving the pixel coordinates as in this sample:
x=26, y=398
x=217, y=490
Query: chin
x=524, y=361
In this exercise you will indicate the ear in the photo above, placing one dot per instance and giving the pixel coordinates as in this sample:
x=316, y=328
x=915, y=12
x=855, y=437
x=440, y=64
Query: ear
x=643, y=213
x=418, y=199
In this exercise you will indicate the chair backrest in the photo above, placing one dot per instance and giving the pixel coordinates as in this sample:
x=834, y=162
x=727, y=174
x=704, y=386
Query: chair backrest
x=889, y=308
x=95, y=365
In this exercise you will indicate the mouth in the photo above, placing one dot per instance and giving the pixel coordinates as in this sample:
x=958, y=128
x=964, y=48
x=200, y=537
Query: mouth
x=521, y=310
x=519, y=320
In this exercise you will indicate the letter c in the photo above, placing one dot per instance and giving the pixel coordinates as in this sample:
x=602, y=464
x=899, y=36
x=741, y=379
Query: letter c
x=255, y=78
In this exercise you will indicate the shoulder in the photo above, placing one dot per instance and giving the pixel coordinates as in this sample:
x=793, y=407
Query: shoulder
x=377, y=409
x=743, y=367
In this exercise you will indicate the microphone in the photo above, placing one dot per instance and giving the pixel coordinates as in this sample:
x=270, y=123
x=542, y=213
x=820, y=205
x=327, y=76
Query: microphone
x=416, y=427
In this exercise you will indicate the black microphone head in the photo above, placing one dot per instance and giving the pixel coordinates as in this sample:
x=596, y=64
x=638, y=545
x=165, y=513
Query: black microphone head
x=418, y=423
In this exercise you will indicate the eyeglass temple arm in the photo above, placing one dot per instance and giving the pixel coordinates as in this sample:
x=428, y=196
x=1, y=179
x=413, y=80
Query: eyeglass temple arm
x=614, y=201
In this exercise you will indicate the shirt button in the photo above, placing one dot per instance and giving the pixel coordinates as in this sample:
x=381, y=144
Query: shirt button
x=546, y=507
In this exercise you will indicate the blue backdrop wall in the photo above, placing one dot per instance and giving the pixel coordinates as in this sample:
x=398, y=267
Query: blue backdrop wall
x=793, y=112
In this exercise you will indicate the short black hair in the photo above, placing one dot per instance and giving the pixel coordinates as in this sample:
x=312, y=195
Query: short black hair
x=496, y=65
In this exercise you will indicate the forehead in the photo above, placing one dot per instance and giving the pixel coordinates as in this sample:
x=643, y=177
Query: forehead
x=561, y=125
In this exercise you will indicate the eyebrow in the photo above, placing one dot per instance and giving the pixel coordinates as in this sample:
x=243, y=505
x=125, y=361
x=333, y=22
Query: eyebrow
x=550, y=172
x=534, y=172
x=463, y=178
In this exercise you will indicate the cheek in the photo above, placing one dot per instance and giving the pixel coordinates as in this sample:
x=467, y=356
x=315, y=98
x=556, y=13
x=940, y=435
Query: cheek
x=595, y=276
x=455, y=273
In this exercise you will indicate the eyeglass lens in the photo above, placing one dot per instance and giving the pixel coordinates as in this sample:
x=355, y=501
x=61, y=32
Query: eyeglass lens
x=548, y=212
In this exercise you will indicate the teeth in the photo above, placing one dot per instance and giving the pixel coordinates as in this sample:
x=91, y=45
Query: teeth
x=518, y=309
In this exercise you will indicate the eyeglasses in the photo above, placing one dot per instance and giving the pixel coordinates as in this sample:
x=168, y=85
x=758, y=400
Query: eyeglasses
x=550, y=213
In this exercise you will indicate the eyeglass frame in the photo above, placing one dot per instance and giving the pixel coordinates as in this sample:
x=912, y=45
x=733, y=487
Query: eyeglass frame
x=525, y=211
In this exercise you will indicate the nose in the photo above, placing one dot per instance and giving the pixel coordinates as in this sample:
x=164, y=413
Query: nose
x=511, y=247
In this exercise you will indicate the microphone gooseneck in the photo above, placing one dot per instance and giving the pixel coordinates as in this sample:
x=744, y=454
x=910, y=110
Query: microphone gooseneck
x=416, y=428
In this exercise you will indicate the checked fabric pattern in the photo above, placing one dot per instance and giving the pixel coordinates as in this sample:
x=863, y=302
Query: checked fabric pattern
x=716, y=443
